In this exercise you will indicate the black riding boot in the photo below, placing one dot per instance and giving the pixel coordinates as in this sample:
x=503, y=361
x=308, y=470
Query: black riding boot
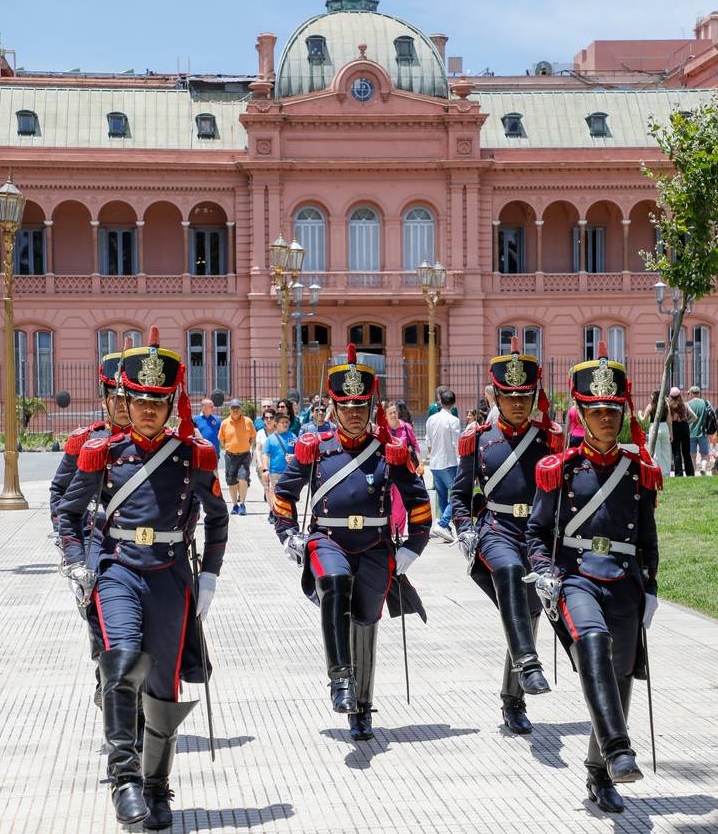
x=600, y=786
x=516, y=618
x=592, y=657
x=335, y=599
x=122, y=674
x=162, y=718
x=512, y=695
x=364, y=654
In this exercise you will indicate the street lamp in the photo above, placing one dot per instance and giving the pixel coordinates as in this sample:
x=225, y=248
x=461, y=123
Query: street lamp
x=431, y=280
x=12, y=203
x=286, y=262
x=298, y=314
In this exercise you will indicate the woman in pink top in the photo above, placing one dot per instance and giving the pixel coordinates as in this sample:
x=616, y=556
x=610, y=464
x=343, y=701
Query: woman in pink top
x=404, y=432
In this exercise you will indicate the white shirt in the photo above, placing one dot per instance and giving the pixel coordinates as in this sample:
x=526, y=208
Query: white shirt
x=442, y=436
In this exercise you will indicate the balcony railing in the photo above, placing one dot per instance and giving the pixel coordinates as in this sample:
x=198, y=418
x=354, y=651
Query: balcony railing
x=115, y=285
x=572, y=282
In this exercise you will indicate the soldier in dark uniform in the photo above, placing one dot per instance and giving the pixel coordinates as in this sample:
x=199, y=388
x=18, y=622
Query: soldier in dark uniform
x=500, y=458
x=143, y=594
x=600, y=586
x=349, y=555
x=116, y=422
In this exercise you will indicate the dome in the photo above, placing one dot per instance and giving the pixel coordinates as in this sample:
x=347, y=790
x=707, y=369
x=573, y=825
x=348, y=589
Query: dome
x=322, y=45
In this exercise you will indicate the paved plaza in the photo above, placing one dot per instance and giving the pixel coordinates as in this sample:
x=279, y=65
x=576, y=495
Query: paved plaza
x=284, y=761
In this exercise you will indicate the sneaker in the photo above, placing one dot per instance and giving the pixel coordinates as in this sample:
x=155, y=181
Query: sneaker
x=242, y=510
x=442, y=532
x=235, y=510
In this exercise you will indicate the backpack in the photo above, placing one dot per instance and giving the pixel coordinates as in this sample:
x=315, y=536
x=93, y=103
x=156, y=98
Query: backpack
x=710, y=424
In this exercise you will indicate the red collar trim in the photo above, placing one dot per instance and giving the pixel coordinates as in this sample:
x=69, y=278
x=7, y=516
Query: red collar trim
x=601, y=458
x=352, y=443
x=148, y=444
x=513, y=431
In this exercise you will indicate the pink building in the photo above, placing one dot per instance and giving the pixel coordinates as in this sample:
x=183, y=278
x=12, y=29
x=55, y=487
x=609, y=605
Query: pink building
x=153, y=199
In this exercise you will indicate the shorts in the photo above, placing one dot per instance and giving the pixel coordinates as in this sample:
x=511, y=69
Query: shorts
x=700, y=444
x=236, y=467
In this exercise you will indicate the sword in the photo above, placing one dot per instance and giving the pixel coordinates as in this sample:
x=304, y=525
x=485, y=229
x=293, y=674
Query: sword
x=650, y=697
x=203, y=649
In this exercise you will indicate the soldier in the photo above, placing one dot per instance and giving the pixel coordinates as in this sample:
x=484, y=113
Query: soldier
x=501, y=458
x=349, y=556
x=597, y=580
x=116, y=422
x=151, y=480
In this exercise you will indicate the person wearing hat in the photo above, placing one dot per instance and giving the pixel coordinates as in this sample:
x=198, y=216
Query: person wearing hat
x=117, y=421
x=500, y=458
x=237, y=434
x=594, y=552
x=153, y=482
x=349, y=555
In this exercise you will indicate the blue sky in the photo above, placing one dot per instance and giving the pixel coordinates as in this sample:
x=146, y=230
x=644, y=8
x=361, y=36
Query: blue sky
x=165, y=36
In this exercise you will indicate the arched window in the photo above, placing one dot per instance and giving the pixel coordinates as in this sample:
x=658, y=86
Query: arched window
x=368, y=337
x=106, y=343
x=532, y=342
x=702, y=356
x=505, y=336
x=616, y=343
x=44, y=364
x=208, y=251
x=364, y=246
x=591, y=338
x=419, y=235
x=208, y=361
x=311, y=232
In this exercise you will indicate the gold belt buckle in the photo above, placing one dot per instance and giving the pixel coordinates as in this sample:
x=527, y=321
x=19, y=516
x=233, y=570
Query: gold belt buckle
x=601, y=545
x=356, y=522
x=145, y=535
x=521, y=510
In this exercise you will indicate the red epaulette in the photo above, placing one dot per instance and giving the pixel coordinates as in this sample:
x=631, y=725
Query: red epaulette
x=467, y=441
x=93, y=454
x=306, y=449
x=77, y=439
x=649, y=473
x=396, y=453
x=549, y=469
x=204, y=455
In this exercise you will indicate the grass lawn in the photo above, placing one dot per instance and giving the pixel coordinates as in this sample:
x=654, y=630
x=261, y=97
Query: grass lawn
x=687, y=521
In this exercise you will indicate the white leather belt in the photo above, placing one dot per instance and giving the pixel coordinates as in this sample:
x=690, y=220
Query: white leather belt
x=352, y=522
x=516, y=510
x=147, y=535
x=602, y=545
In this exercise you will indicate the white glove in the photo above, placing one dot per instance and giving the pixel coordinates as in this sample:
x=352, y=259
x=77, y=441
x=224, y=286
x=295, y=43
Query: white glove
x=468, y=542
x=404, y=559
x=82, y=581
x=649, y=609
x=548, y=588
x=294, y=546
x=206, y=586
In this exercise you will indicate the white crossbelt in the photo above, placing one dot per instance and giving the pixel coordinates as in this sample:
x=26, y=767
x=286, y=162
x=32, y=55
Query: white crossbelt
x=339, y=476
x=163, y=536
x=508, y=464
x=598, y=498
x=516, y=510
x=141, y=475
x=350, y=521
x=588, y=544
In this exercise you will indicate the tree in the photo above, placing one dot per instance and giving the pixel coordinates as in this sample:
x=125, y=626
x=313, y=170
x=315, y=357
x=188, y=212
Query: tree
x=686, y=253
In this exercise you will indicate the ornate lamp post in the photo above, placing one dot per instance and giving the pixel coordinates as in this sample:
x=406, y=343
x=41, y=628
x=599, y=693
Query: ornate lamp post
x=298, y=314
x=286, y=263
x=431, y=280
x=12, y=203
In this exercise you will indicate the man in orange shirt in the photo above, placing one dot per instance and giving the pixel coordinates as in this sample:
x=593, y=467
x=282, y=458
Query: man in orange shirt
x=236, y=434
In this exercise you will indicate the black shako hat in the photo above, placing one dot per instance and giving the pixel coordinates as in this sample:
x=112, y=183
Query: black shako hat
x=515, y=374
x=600, y=383
x=350, y=383
x=152, y=372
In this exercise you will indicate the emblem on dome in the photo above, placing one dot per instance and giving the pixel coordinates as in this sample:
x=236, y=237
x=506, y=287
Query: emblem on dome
x=152, y=371
x=603, y=384
x=352, y=385
x=515, y=373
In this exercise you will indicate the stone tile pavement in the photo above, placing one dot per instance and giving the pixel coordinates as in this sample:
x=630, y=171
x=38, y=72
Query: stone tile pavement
x=285, y=763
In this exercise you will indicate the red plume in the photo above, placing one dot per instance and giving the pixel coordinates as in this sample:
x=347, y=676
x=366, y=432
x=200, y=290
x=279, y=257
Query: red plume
x=185, y=429
x=128, y=344
x=154, y=340
x=351, y=354
x=515, y=345
x=602, y=350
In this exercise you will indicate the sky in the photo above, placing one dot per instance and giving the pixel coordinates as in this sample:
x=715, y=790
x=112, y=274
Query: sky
x=168, y=36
